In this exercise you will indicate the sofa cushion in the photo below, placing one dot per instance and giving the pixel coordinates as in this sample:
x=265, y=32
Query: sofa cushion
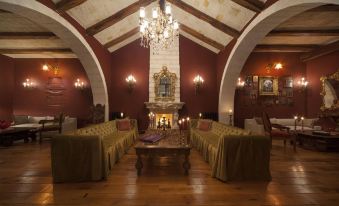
x=123, y=125
x=21, y=119
x=285, y=122
x=258, y=120
x=204, y=125
x=32, y=119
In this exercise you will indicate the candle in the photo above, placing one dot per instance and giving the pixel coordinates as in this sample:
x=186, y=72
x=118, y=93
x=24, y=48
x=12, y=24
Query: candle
x=200, y=115
x=295, y=123
x=122, y=114
x=302, y=124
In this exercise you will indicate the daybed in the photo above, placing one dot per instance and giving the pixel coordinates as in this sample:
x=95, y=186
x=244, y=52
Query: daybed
x=255, y=125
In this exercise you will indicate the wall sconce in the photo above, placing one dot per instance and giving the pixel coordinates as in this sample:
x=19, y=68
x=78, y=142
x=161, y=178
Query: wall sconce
x=230, y=113
x=303, y=83
x=131, y=81
x=276, y=66
x=240, y=83
x=28, y=84
x=200, y=115
x=122, y=115
x=54, y=69
x=198, y=81
x=79, y=84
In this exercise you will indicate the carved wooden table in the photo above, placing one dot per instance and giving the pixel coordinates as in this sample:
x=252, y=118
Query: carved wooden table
x=172, y=144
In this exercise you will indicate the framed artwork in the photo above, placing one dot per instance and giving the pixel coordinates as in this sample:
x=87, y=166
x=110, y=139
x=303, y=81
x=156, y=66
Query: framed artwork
x=255, y=79
x=288, y=82
x=289, y=93
x=268, y=86
x=248, y=80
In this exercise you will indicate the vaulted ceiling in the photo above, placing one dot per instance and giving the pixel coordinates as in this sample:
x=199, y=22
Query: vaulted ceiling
x=210, y=23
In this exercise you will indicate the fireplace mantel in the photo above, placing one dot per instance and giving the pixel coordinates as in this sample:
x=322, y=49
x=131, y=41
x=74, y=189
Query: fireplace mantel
x=164, y=106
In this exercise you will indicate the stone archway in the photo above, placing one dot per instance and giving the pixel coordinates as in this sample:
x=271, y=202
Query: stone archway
x=255, y=32
x=51, y=20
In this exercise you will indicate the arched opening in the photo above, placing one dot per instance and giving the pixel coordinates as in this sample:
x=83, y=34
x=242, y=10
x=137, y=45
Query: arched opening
x=52, y=21
x=255, y=32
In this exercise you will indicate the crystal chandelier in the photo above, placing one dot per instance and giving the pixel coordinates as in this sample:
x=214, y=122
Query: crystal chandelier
x=160, y=31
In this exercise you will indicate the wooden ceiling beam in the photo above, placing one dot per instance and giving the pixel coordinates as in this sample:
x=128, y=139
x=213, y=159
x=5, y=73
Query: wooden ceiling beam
x=201, y=37
x=35, y=51
x=65, y=5
x=321, y=51
x=253, y=5
x=122, y=37
x=284, y=48
x=120, y=15
x=334, y=32
x=200, y=15
x=27, y=35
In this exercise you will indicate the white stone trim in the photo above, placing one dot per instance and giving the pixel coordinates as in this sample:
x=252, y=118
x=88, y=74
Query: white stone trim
x=46, y=17
x=266, y=21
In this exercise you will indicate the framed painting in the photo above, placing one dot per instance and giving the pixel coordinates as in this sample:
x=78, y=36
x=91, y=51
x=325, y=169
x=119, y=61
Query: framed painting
x=268, y=86
x=288, y=82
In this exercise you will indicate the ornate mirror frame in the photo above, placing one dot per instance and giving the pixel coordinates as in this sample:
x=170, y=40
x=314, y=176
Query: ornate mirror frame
x=157, y=77
x=334, y=76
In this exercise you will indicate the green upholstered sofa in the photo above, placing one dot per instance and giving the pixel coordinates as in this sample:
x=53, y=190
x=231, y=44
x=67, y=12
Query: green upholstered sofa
x=233, y=153
x=88, y=154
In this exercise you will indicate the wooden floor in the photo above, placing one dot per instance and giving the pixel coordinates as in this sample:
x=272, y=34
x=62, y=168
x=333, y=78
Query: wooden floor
x=302, y=178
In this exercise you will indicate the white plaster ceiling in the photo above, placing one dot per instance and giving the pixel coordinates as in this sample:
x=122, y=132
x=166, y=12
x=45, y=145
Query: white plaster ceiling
x=313, y=20
x=225, y=11
x=25, y=47
x=14, y=23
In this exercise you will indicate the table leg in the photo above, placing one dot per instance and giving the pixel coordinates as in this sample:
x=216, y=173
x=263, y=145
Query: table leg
x=138, y=164
x=186, y=164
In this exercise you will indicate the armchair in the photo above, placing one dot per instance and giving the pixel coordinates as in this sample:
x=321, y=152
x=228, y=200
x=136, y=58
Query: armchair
x=51, y=125
x=278, y=131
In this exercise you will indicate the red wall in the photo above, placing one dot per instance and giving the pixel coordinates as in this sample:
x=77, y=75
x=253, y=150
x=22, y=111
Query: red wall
x=6, y=87
x=133, y=59
x=33, y=101
x=315, y=69
x=194, y=60
x=255, y=65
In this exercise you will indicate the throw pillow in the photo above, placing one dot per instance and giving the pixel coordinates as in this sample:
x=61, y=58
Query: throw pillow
x=204, y=125
x=20, y=119
x=259, y=120
x=124, y=125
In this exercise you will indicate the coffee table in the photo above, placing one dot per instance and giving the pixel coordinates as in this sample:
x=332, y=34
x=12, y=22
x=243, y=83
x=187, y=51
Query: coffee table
x=9, y=135
x=320, y=142
x=173, y=143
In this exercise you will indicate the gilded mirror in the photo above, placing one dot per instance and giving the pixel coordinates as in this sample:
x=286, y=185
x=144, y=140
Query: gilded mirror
x=330, y=91
x=164, y=85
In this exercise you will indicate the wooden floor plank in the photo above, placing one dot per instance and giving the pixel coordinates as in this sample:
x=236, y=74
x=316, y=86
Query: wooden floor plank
x=302, y=178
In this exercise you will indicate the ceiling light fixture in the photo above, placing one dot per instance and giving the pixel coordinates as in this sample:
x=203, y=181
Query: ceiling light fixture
x=160, y=31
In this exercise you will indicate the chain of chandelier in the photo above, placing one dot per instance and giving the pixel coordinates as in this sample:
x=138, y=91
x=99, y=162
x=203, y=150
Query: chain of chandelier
x=160, y=31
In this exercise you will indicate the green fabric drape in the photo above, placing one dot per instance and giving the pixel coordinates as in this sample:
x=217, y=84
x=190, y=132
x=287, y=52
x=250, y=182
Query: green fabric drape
x=88, y=154
x=242, y=158
x=232, y=152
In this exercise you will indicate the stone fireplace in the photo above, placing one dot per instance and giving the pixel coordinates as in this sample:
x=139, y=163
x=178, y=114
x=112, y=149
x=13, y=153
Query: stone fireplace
x=164, y=84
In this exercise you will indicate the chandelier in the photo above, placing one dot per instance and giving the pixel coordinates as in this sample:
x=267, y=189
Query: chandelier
x=160, y=31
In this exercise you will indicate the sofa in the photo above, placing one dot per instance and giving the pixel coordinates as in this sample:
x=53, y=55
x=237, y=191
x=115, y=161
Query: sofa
x=69, y=124
x=88, y=154
x=255, y=125
x=233, y=153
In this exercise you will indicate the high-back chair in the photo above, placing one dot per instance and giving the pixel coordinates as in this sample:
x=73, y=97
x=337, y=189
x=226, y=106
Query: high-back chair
x=51, y=125
x=278, y=131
